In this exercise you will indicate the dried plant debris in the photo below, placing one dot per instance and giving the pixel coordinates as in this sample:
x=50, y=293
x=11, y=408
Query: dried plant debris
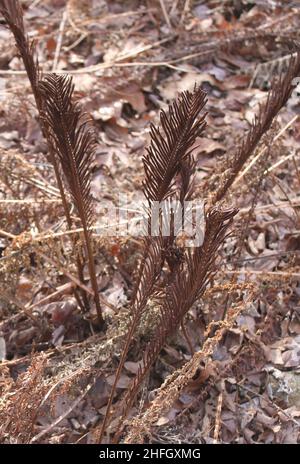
x=149, y=222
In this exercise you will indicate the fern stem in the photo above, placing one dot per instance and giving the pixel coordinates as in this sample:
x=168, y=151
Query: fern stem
x=92, y=271
x=129, y=336
x=73, y=144
x=13, y=14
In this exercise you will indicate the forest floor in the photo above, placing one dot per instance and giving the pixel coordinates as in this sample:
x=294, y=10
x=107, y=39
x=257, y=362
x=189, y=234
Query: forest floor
x=128, y=60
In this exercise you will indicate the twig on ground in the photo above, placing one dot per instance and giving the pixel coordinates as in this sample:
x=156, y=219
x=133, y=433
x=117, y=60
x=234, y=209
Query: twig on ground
x=59, y=40
x=218, y=420
x=165, y=13
x=185, y=10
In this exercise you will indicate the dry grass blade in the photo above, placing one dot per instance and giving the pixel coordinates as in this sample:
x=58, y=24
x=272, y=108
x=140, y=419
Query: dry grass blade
x=74, y=144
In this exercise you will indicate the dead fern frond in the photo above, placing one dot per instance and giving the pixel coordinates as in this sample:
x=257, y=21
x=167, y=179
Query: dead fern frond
x=168, y=151
x=19, y=401
x=175, y=383
x=12, y=12
x=169, y=155
x=263, y=72
x=277, y=98
x=185, y=289
x=74, y=144
x=13, y=15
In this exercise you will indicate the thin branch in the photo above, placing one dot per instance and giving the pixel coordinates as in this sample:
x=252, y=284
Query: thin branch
x=59, y=40
x=165, y=13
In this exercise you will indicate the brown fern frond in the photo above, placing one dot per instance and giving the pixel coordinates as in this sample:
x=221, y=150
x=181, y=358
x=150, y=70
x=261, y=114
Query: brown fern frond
x=170, y=390
x=187, y=170
x=12, y=12
x=186, y=288
x=277, y=98
x=71, y=137
x=169, y=155
x=181, y=126
x=148, y=272
x=74, y=144
x=13, y=15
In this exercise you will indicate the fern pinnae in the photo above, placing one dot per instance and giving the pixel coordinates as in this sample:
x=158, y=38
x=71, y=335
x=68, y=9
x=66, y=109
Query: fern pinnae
x=12, y=12
x=181, y=125
x=276, y=99
x=74, y=145
x=170, y=152
x=185, y=289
